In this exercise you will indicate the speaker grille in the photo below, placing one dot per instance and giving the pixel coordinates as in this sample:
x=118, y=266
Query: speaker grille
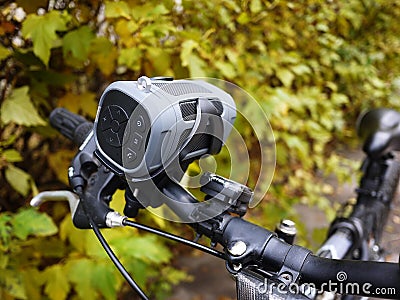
x=199, y=141
x=218, y=106
x=184, y=136
x=188, y=110
x=182, y=88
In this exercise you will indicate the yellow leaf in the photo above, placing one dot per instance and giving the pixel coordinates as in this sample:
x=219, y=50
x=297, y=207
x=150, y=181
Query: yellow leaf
x=227, y=69
x=18, y=179
x=85, y=103
x=255, y=6
x=285, y=76
x=187, y=49
x=59, y=163
x=104, y=54
x=125, y=30
x=57, y=285
x=4, y=52
x=117, y=9
x=130, y=58
x=76, y=237
x=161, y=56
x=19, y=109
x=118, y=201
x=243, y=18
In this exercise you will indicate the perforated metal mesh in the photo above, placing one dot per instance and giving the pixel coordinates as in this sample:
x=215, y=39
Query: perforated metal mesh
x=253, y=286
x=218, y=106
x=183, y=137
x=182, y=88
x=199, y=141
x=248, y=287
x=188, y=110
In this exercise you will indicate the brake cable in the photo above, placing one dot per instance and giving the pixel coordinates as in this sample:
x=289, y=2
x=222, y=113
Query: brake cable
x=130, y=223
x=208, y=250
x=109, y=251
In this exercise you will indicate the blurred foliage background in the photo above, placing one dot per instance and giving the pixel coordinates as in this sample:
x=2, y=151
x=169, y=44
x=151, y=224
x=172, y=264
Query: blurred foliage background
x=313, y=65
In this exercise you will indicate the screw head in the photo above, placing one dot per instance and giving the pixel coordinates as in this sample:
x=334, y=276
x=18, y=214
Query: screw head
x=237, y=248
x=237, y=267
x=287, y=276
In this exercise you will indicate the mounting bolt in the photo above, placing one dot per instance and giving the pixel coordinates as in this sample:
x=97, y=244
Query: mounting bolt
x=237, y=248
x=286, y=231
x=144, y=84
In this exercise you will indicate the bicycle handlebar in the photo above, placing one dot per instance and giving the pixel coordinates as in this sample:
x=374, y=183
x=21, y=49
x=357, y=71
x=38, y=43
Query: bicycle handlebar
x=260, y=246
x=272, y=254
x=263, y=248
x=366, y=278
x=74, y=127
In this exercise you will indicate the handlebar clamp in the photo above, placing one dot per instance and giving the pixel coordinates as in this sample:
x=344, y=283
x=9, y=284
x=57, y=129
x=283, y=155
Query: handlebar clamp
x=230, y=192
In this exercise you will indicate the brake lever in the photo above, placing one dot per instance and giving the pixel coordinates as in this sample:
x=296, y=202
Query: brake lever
x=94, y=184
x=97, y=185
x=97, y=194
x=112, y=218
x=43, y=197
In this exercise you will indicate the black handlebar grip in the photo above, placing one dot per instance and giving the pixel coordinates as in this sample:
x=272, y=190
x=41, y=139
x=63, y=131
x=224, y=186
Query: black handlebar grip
x=73, y=126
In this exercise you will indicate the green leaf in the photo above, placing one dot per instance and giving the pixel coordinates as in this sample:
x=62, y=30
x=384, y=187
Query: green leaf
x=255, y=6
x=12, y=281
x=130, y=58
x=80, y=272
x=92, y=247
x=49, y=247
x=43, y=31
x=155, y=30
x=19, y=109
x=140, y=269
x=197, y=66
x=76, y=237
x=226, y=69
x=159, y=9
x=243, y=18
x=104, y=54
x=18, y=179
x=146, y=248
x=50, y=77
x=3, y=259
x=77, y=43
x=148, y=11
x=31, y=222
x=301, y=69
x=105, y=280
x=187, y=49
x=33, y=281
x=56, y=282
x=5, y=231
x=12, y=155
x=285, y=76
x=117, y=10
x=161, y=56
x=4, y=53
